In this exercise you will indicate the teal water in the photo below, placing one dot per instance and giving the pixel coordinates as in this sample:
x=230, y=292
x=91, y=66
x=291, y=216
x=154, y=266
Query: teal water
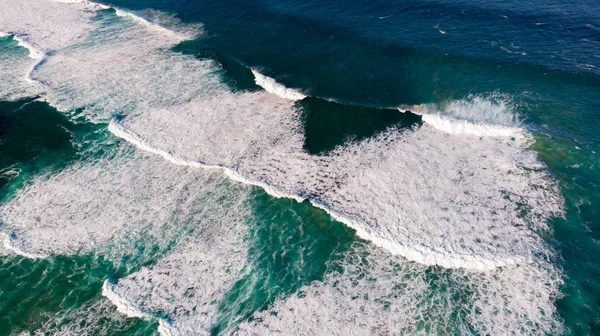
x=187, y=249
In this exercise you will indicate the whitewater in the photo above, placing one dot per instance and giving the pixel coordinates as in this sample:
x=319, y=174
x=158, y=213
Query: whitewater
x=461, y=191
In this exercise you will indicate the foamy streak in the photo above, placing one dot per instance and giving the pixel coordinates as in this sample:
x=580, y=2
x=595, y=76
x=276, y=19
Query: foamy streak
x=170, y=33
x=124, y=57
x=271, y=86
x=14, y=67
x=123, y=306
x=131, y=310
x=118, y=130
x=450, y=201
x=416, y=253
x=426, y=257
x=46, y=24
x=34, y=52
x=453, y=126
x=191, y=224
x=98, y=316
x=9, y=245
x=76, y=211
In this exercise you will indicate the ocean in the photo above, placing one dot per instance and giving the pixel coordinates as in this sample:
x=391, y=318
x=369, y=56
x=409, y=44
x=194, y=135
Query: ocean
x=383, y=167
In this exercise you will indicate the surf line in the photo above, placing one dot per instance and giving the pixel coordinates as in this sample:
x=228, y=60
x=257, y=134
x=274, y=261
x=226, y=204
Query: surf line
x=424, y=256
x=418, y=253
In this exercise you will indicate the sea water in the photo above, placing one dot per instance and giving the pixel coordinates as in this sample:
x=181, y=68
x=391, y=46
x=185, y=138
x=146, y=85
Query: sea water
x=294, y=167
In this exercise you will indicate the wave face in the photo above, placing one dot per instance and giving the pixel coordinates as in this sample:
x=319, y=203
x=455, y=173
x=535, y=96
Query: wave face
x=432, y=195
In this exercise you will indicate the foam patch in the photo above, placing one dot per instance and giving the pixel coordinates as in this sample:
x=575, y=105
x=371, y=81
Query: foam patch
x=47, y=25
x=439, y=199
x=380, y=294
x=124, y=67
x=124, y=204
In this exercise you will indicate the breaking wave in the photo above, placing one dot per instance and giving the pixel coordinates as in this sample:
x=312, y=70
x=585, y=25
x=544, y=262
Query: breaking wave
x=432, y=196
x=462, y=191
x=271, y=86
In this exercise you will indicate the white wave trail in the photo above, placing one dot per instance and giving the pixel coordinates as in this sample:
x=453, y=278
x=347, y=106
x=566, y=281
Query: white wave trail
x=47, y=25
x=492, y=115
x=271, y=86
x=423, y=256
x=118, y=130
x=123, y=306
x=34, y=52
x=173, y=32
x=305, y=176
x=13, y=64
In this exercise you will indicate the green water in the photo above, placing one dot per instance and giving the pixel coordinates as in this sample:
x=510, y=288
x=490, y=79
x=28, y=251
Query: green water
x=293, y=245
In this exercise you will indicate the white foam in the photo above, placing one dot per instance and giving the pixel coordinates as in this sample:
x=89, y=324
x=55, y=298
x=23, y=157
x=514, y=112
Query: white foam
x=490, y=115
x=14, y=67
x=77, y=211
x=175, y=30
x=454, y=213
x=9, y=245
x=378, y=293
x=132, y=66
x=433, y=196
x=271, y=86
x=97, y=316
x=131, y=206
x=34, y=52
x=123, y=306
x=188, y=284
x=46, y=24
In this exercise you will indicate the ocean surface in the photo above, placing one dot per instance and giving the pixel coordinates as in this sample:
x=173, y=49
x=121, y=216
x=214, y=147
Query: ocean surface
x=385, y=167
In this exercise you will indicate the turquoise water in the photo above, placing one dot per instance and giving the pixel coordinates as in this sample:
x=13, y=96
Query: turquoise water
x=304, y=168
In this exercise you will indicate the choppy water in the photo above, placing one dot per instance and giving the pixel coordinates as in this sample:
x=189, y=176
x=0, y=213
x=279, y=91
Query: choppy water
x=293, y=167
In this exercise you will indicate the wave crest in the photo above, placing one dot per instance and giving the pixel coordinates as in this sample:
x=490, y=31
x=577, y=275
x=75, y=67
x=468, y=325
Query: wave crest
x=272, y=86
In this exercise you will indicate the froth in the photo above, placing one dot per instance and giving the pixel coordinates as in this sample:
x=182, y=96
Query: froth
x=46, y=24
x=374, y=293
x=188, y=283
x=437, y=197
x=271, y=86
x=433, y=197
x=479, y=115
x=123, y=68
x=163, y=23
x=108, y=206
x=34, y=52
